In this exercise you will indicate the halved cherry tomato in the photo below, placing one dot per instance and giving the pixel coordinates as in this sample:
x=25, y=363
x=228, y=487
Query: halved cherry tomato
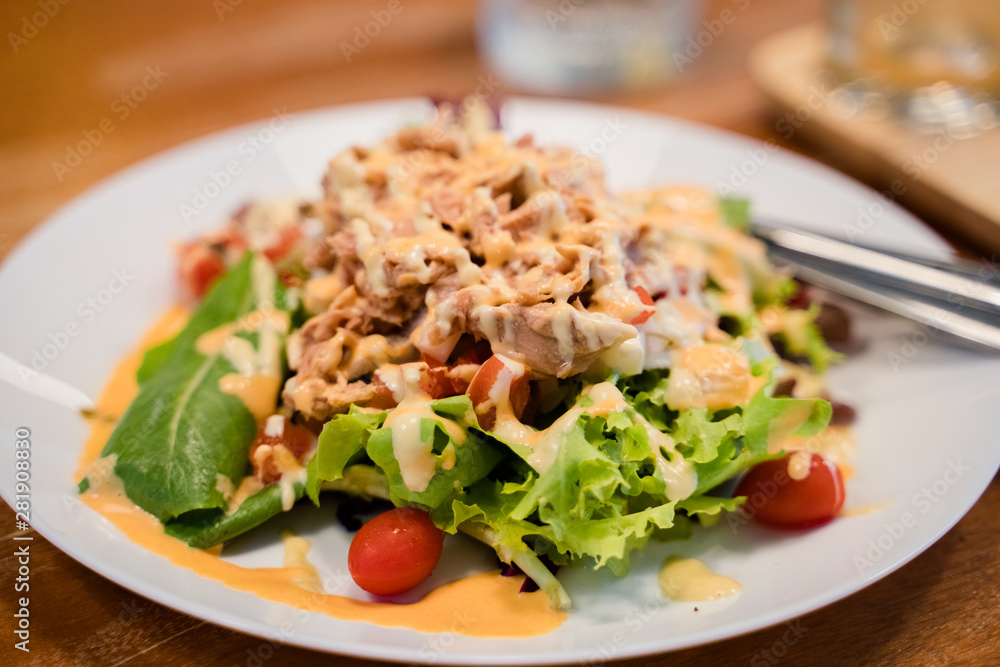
x=775, y=497
x=647, y=301
x=395, y=551
x=273, y=432
x=499, y=369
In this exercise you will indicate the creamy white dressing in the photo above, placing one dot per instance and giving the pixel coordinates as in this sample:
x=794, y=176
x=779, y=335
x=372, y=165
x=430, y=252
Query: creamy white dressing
x=627, y=357
x=607, y=398
x=678, y=473
x=274, y=427
x=370, y=255
x=690, y=580
x=225, y=486
x=241, y=353
x=545, y=444
x=417, y=462
x=289, y=478
x=402, y=380
x=347, y=176
x=562, y=329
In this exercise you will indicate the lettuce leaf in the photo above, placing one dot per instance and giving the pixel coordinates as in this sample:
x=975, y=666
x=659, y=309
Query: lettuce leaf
x=182, y=430
x=458, y=463
x=604, y=494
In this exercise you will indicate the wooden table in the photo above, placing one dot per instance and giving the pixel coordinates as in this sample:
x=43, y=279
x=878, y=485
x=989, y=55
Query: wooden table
x=228, y=62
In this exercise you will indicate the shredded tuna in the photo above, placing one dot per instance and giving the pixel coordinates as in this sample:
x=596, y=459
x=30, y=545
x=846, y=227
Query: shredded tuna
x=446, y=232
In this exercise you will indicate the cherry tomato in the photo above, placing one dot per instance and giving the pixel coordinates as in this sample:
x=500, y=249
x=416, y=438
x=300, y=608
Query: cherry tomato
x=499, y=369
x=775, y=497
x=277, y=431
x=395, y=551
x=647, y=301
x=199, y=268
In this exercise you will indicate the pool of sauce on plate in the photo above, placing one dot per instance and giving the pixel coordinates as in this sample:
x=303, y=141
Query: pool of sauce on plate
x=690, y=580
x=508, y=612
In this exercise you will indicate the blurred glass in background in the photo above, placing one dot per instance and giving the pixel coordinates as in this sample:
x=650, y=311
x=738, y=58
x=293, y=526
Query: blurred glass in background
x=589, y=46
x=935, y=63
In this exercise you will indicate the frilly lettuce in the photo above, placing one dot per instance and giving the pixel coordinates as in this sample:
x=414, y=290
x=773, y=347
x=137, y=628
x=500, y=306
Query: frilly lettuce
x=602, y=497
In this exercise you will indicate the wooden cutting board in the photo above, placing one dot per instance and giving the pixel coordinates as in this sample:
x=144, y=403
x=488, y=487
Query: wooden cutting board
x=953, y=182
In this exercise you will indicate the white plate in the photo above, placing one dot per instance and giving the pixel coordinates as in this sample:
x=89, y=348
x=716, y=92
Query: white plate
x=930, y=441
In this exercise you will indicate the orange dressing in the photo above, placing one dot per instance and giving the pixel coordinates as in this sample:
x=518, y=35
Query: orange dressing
x=861, y=511
x=258, y=392
x=483, y=605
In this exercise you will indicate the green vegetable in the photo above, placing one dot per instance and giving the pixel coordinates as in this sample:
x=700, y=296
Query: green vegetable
x=735, y=212
x=344, y=437
x=181, y=432
x=603, y=496
x=206, y=528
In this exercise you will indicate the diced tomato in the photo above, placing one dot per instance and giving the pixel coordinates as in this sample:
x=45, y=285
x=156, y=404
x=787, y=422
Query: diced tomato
x=647, y=301
x=199, y=268
x=382, y=397
x=775, y=497
x=395, y=551
x=277, y=431
x=642, y=317
x=440, y=381
x=436, y=383
x=499, y=369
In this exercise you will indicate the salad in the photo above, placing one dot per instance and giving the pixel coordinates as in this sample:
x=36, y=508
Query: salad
x=479, y=332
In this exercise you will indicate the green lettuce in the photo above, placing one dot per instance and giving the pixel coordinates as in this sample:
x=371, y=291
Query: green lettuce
x=602, y=497
x=182, y=430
